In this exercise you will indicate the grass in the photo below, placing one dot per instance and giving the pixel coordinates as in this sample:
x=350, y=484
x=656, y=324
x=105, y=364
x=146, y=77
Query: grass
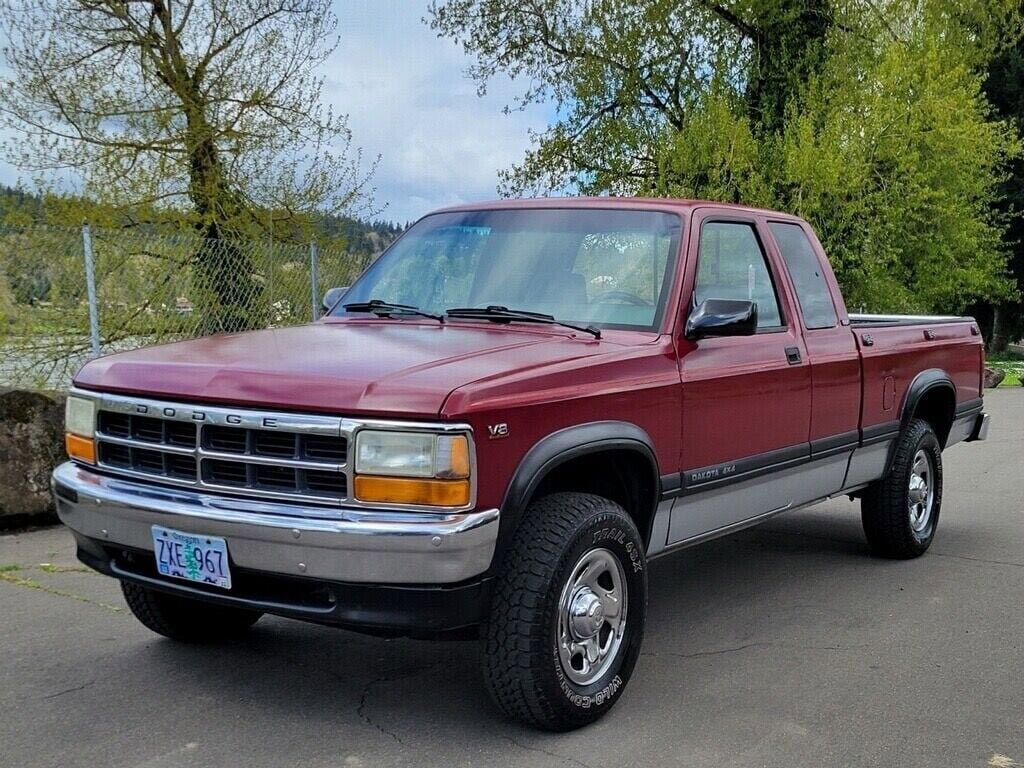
x=1011, y=380
x=1012, y=364
x=11, y=575
x=51, y=568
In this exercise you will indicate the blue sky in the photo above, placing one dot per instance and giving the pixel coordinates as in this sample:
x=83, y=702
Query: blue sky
x=409, y=101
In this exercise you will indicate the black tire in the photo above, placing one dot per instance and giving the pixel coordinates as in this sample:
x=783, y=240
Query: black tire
x=889, y=523
x=190, y=621
x=523, y=671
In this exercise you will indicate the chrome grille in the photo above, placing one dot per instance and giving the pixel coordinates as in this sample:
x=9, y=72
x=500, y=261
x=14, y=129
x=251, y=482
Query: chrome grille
x=257, y=453
x=241, y=452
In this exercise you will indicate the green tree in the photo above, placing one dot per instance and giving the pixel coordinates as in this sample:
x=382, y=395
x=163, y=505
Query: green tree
x=897, y=166
x=1004, y=86
x=623, y=75
x=789, y=38
x=206, y=107
x=867, y=118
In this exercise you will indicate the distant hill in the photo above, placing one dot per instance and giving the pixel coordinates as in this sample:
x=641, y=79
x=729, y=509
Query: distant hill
x=361, y=236
x=21, y=207
x=14, y=201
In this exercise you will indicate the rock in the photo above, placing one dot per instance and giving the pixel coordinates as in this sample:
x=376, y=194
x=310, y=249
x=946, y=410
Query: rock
x=993, y=377
x=31, y=445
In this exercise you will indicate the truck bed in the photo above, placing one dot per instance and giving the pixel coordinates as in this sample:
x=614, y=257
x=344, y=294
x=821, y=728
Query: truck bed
x=897, y=349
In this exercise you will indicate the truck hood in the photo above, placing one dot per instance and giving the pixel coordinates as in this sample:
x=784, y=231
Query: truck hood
x=376, y=367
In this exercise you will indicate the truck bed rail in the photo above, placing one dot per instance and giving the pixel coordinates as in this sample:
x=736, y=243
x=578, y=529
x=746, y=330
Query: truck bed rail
x=877, y=321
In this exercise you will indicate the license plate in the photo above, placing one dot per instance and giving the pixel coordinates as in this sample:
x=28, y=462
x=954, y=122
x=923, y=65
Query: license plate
x=191, y=557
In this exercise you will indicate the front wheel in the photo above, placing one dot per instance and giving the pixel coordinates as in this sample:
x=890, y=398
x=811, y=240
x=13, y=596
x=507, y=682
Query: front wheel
x=568, y=613
x=900, y=512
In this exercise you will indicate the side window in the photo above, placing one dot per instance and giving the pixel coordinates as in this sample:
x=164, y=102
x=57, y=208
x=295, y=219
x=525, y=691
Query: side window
x=816, y=303
x=732, y=266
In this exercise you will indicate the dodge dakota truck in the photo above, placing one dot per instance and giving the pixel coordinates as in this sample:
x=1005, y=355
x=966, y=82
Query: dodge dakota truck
x=502, y=421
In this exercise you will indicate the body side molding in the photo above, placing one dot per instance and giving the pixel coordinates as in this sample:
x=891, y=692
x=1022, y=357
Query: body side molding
x=880, y=433
x=718, y=475
x=969, y=408
x=740, y=470
x=826, y=446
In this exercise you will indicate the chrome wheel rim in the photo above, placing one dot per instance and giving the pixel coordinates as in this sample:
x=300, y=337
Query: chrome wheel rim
x=592, y=616
x=921, y=491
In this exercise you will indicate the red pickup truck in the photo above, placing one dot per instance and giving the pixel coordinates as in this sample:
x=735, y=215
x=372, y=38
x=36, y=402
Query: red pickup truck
x=500, y=423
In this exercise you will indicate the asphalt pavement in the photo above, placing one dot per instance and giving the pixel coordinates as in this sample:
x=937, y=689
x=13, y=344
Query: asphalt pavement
x=787, y=645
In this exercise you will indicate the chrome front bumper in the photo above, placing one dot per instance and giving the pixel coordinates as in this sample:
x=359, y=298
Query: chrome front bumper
x=364, y=546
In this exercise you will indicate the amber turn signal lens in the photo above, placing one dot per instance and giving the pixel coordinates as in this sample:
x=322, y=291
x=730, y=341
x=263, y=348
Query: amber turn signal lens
x=458, y=464
x=81, y=448
x=407, y=490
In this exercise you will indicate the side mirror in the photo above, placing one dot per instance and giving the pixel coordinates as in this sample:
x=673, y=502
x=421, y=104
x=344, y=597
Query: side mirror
x=331, y=298
x=722, y=317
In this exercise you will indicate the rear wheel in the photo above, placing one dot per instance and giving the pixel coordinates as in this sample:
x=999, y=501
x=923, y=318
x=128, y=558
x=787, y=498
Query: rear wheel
x=568, y=613
x=900, y=512
x=180, y=618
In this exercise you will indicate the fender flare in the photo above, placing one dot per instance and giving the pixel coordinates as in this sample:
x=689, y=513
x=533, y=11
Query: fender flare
x=564, y=445
x=924, y=382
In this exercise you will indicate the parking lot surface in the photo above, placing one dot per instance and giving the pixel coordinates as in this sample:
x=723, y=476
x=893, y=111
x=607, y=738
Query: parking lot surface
x=785, y=645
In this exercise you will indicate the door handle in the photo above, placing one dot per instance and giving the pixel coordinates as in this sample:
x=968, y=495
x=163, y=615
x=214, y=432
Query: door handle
x=793, y=355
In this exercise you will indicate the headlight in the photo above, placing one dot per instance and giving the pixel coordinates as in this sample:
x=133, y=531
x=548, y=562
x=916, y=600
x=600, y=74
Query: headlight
x=80, y=416
x=80, y=426
x=418, y=468
x=412, y=454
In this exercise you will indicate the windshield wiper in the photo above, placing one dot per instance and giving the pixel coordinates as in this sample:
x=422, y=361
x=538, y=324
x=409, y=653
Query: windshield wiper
x=504, y=315
x=387, y=309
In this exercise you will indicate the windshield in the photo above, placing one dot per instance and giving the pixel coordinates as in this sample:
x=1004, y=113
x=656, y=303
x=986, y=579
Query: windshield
x=603, y=267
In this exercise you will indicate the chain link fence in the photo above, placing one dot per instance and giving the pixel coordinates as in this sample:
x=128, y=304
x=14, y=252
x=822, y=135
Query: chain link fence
x=147, y=288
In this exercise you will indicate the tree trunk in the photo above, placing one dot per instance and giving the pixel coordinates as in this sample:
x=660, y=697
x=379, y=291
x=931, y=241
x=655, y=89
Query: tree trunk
x=231, y=293
x=999, y=340
x=790, y=36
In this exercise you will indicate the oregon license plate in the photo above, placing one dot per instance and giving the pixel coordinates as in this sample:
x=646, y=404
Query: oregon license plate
x=191, y=557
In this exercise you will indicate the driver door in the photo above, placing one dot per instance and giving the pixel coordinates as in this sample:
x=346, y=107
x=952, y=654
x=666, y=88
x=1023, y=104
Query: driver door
x=746, y=399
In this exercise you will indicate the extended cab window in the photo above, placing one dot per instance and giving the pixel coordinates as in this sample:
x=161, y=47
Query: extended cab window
x=732, y=266
x=805, y=270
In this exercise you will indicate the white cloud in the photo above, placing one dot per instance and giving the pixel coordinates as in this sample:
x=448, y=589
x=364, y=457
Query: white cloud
x=409, y=101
